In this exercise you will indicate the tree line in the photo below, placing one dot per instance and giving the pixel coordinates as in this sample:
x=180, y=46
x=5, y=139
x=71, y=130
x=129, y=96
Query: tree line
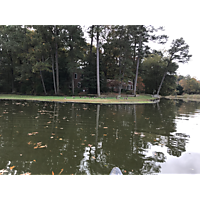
x=188, y=85
x=42, y=59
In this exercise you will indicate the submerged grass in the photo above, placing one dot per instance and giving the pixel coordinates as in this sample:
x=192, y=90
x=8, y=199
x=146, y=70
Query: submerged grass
x=140, y=99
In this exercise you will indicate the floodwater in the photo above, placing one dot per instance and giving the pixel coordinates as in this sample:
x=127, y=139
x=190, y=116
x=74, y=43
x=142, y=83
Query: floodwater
x=40, y=138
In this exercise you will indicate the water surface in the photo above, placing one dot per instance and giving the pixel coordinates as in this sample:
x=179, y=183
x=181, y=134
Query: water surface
x=66, y=138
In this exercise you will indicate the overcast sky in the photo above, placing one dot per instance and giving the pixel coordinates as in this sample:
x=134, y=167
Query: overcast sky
x=191, y=35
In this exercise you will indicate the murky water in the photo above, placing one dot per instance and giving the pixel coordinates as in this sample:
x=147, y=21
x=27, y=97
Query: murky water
x=58, y=138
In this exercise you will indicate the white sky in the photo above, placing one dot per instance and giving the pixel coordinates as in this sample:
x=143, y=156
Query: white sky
x=191, y=35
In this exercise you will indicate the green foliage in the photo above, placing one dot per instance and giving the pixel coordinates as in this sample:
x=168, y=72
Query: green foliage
x=153, y=68
x=30, y=54
x=189, y=85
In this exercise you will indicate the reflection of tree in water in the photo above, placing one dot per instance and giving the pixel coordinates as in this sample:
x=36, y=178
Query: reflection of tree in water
x=145, y=164
x=176, y=144
x=86, y=147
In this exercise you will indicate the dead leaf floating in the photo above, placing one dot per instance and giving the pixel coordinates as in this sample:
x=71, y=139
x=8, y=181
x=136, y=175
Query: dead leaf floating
x=40, y=146
x=60, y=171
x=33, y=133
x=12, y=167
x=27, y=173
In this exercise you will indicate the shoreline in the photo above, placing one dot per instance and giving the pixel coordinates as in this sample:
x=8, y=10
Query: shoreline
x=139, y=100
x=184, y=97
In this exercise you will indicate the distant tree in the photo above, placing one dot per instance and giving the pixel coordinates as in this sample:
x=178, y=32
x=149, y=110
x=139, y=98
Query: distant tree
x=179, y=52
x=190, y=85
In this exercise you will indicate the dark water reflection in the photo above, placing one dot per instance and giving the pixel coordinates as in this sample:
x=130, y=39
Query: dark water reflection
x=41, y=137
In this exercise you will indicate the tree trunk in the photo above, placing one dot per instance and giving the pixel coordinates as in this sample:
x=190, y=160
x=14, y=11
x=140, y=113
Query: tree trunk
x=134, y=62
x=57, y=69
x=43, y=82
x=12, y=80
x=120, y=73
x=53, y=72
x=73, y=83
x=163, y=78
x=136, y=74
x=91, y=42
x=42, y=78
x=98, y=82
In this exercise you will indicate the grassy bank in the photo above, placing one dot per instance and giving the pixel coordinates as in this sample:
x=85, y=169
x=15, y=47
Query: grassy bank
x=186, y=97
x=140, y=99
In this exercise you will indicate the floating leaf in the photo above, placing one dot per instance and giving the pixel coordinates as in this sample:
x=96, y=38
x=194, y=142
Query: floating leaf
x=104, y=134
x=60, y=138
x=61, y=128
x=60, y=171
x=34, y=160
x=12, y=167
x=39, y=143
x=82, y=143
x=27, y=173
x=33, y=133
x=105, y=127
x=44, y=146
x=52, y=173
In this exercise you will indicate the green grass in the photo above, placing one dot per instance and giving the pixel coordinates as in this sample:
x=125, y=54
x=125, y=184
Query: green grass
x=140, y=99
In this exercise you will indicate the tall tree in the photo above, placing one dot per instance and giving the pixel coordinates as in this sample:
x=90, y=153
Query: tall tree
x=179, y=52
x=98, y=82
x=56, y=59
x=74, y=45
x=139, y=36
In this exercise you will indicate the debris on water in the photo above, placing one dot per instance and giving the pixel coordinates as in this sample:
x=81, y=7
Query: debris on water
x=33, y=133
x=27, y=173
x=12, y=167
x=60, y=171
x=3, y=171
x=40, y=146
